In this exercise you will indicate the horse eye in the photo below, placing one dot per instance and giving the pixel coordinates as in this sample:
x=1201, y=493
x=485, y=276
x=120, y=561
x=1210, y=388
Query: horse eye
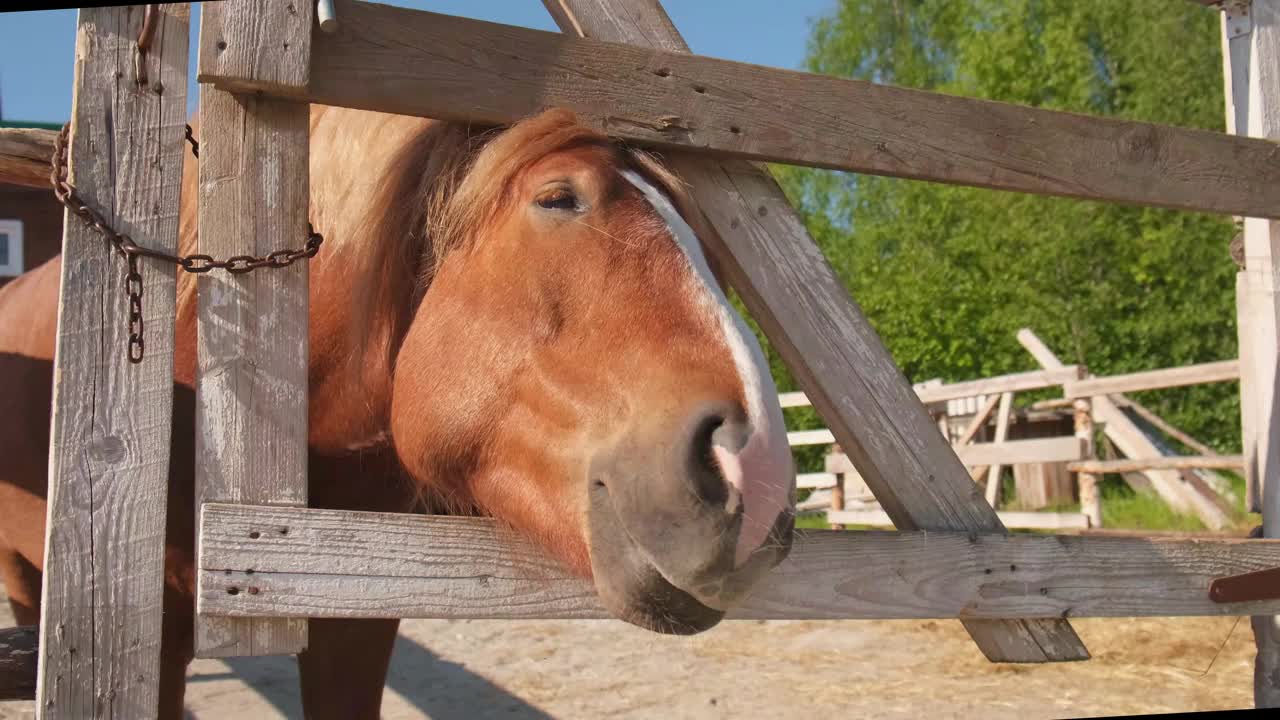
x=558, y=200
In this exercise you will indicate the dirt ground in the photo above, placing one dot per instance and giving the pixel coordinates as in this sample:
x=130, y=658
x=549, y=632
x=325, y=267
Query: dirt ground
x=517, y=670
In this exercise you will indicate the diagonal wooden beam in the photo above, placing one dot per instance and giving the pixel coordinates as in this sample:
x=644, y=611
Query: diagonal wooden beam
x=840, y=362
x=978, y=421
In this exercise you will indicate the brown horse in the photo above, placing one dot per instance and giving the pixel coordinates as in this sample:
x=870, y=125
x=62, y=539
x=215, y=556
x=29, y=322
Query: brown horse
x=520, y=323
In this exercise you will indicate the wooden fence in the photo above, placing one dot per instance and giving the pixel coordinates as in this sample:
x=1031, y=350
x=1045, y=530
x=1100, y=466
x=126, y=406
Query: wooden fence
x=621, y=65
x=849, y=499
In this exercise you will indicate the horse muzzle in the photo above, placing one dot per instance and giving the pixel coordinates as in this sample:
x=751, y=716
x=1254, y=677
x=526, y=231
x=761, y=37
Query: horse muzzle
x=674, y=543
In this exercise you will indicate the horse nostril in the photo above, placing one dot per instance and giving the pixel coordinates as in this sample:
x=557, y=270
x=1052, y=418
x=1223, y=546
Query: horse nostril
x=708, y=482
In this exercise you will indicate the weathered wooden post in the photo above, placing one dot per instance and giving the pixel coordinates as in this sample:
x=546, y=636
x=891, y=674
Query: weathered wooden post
x=1090, y=499
x=113, y=368
x=1002, y=434
x=1251, y=58
x=253, y=334
x=837, y=492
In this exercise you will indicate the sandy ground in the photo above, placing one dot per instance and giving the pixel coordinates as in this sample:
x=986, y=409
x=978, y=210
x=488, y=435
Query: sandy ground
x=456, y=670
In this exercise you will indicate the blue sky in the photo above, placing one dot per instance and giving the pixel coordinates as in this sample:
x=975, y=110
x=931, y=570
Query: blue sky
x=36, y=48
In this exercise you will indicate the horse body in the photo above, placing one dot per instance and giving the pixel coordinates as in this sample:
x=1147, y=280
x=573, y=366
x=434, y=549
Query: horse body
x=516, y=323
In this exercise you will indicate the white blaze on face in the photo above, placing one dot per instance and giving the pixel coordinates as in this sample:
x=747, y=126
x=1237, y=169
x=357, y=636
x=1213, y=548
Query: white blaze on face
x=762, y=471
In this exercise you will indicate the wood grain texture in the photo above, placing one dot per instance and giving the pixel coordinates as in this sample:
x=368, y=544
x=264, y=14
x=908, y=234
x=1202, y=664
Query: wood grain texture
x=1211, y=372
x=334, y=563
x=109, y=454
x=18, y=660
x=417, y=63
x=826, y=341
x=251, y=399
x=1129, y=439
x=266, y=42
x=24, y=156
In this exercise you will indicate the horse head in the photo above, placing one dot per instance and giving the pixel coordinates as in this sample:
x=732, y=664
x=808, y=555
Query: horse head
x=573, y=368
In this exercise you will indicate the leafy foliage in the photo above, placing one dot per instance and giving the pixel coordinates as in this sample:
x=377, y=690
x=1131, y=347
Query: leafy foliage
x=947, y=274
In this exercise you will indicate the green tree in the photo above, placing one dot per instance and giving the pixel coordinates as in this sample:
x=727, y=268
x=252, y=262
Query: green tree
x=948, y=274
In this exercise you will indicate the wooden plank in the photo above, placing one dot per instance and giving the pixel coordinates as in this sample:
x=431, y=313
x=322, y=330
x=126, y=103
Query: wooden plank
x=1246, y=336
x=797, y=438
x=1009, y=452
x=335, y=563
x=109, y=456
x=1211, y=372
x=1253, y=96
x=979, y=421
x=1011, y=519
x=1017, y=382
x=251, y=400
x=1090, y=496
x=992, y=491
x=1015, y=452
x=18, y=662
x=417, y=63
x=1130, y=440
x=1163, y=425
x=826, y=341
x=793, y=399
x=24, y=156
x=816, y=480
x=263, y=42
x=1164, y=462
x=939, y=392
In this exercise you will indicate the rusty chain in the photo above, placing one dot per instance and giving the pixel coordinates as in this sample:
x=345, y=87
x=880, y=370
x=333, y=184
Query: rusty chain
x=131, y=251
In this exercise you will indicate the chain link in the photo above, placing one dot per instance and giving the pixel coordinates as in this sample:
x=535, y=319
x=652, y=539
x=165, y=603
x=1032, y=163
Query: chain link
x=131, y=251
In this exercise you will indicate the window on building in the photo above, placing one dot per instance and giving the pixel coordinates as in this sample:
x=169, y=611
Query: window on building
x=10, y=248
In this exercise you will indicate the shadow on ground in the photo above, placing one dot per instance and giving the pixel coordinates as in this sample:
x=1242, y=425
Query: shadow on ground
x=438, y=688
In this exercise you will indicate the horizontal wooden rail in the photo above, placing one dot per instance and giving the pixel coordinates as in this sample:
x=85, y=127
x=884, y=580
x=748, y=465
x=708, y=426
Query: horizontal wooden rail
x=419, y=63
x=1221, y=371
x=24, y=156
x=816, y=480
x=1016, y=382
x=334, y=563
x=1009, y=452
x=1017, y=452
x=1020, y=520
x=796, y=438
x=1170, y=462
x=793, y=399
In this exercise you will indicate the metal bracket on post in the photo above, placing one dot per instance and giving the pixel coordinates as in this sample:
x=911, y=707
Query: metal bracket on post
x=1257, y=585
x=1239, y=19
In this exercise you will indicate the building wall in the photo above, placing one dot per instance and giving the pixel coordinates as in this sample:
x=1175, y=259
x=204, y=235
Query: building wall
x=41, y=216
